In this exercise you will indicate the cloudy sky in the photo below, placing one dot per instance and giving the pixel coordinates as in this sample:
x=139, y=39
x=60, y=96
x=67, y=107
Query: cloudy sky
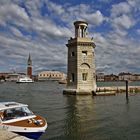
x=42, y=28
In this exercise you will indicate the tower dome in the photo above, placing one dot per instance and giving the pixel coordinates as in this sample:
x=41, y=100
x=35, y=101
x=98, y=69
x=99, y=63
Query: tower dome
x=80, y=28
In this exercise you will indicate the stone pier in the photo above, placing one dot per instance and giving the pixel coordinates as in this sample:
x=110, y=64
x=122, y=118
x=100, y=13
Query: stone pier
x=114, y=90
x=6, y=135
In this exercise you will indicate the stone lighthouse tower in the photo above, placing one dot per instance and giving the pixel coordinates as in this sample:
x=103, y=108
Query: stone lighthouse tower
x=29, y=67
x=81, y=62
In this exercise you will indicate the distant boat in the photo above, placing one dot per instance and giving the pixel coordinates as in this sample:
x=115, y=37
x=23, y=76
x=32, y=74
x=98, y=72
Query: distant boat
x=24, y=80
x=17, y=118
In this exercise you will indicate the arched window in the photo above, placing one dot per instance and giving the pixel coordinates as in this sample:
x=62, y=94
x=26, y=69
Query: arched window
x=85, y=66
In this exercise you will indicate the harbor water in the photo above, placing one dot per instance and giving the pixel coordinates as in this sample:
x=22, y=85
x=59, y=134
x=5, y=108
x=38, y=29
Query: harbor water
x=78, y=117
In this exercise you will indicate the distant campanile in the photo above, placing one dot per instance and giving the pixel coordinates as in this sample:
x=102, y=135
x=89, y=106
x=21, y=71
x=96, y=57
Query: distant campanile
x=29, y=67
x=81, y=77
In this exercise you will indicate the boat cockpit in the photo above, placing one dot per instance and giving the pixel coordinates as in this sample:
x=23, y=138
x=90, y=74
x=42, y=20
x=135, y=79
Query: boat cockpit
x=14, y=113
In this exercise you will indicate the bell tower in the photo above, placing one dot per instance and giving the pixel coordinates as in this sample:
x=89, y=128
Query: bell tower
x=81, y=77
x=29, y=67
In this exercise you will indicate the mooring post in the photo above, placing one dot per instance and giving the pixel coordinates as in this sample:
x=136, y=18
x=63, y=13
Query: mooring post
x=126, y=89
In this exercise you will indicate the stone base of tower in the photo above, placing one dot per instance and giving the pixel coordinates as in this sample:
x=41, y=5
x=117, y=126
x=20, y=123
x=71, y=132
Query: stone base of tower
x=78, y=92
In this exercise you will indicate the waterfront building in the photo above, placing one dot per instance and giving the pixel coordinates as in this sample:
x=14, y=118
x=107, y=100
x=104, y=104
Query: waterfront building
x=51, y=75
x=29, y=67
x=3, y=76
x=120, y=77
x=100, y=77
x=13, y=77
x=136, y=77
x=125, y=76
x=111, y=77
x=81, y=77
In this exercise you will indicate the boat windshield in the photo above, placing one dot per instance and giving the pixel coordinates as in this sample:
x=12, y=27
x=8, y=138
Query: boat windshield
x=16, y=113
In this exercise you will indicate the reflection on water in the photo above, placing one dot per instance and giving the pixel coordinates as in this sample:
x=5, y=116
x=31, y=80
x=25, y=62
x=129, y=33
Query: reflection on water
x=78, y=117
x=80, y=112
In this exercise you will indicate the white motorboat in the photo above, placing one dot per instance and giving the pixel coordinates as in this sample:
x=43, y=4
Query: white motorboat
x=24, y=80
x=17, y=118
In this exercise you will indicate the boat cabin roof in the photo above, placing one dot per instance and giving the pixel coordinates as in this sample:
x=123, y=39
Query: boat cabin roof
x=9, y=105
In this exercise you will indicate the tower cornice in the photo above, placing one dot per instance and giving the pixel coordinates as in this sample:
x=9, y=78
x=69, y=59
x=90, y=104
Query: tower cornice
x=81, y=42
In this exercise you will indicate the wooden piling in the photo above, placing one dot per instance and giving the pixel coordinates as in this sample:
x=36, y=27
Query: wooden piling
x=126, y=89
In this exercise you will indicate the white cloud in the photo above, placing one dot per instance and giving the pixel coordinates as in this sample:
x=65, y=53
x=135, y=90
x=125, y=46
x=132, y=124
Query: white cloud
x=78, y=12
x=123, y=22
x=138, y=31
x=116, y=53
x=11, y=11
x=58, y=9
x=93, y=18
x=105, y=1
x=28, y=31
x=119, y=9
x=99, y=39
x=134, y=4
x=49, y=28
x=16, y=32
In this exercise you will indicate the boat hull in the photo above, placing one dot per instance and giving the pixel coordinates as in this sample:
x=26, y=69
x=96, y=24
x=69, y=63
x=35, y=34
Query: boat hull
x=31, y=135
x=32, y=127
x=24, y=82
